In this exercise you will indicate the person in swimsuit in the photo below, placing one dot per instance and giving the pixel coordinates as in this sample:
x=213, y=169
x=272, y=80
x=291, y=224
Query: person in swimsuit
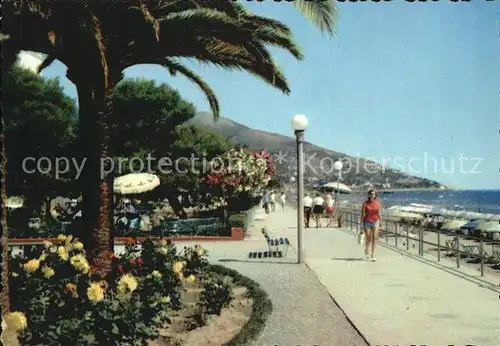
x=329, y=208
x=370, y=218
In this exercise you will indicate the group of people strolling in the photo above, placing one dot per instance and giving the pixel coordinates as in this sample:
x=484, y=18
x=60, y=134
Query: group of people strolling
x=318, y=207
x=269, y=201
x=370, y=217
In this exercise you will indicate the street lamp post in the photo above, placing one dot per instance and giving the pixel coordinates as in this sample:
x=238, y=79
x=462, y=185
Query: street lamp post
x=338, y=167
x=299, y=125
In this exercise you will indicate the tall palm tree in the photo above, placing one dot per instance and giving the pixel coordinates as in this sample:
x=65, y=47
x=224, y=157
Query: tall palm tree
x=98, y=40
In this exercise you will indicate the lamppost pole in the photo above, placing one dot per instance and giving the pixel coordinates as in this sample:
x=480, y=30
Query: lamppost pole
x=338, y=166
x=299, y=124
x=300, y=195
x=338, y=187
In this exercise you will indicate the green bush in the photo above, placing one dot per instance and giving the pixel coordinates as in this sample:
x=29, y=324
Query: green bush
x=66, y=303
x=215, y=297
x=261, y=309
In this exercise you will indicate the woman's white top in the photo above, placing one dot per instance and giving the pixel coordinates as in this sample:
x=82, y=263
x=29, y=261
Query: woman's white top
x=318, y=201
x=329, y=202
x=283, y=199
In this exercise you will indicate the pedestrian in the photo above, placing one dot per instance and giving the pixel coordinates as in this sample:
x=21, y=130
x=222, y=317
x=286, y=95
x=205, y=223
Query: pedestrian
x=282, y=201
x=308, y=202
x=370, y=217
x=272, y=200
x=329, y=208
x=265, y=201
x=318, y=208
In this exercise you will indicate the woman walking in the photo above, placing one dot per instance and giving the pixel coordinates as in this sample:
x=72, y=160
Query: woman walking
x=282, y=201
x=330, y=208
x=370, y=217
x=318, y=207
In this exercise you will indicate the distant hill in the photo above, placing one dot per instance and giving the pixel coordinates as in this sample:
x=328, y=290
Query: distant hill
x=319, y=161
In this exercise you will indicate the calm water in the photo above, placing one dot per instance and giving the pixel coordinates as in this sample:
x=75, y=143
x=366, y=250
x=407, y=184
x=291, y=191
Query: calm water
x=484, y=201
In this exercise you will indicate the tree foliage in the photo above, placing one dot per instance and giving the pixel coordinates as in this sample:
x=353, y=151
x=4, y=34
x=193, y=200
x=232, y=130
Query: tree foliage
x=40, y=123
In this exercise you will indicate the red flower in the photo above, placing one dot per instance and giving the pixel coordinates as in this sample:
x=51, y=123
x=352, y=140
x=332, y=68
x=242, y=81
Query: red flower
x=261, y=154
x=140, y=261
x=133, y=261
x=131, y=241
x=120, y=269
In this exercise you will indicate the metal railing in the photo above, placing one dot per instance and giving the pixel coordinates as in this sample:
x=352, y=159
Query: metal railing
x=410, y=236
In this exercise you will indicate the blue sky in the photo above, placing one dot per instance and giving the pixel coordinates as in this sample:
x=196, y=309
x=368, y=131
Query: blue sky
x=400, y=82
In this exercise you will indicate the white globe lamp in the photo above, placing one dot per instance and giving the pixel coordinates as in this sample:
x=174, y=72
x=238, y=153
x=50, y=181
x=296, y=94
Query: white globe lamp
x=338, y=165
x=299, y=122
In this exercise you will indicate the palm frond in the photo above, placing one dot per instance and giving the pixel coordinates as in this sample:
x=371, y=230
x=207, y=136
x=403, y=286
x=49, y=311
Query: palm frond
x=45, y=63
x=175, y=67
x=229, y=56
x=148, y=18
x=271, y=36
x=203, y=22
x=322, y=13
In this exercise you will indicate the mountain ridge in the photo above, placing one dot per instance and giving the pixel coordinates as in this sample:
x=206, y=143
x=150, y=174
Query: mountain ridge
x=319, y=161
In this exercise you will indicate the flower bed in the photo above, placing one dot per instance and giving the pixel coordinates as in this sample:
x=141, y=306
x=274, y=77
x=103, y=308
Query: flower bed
x=59, y=299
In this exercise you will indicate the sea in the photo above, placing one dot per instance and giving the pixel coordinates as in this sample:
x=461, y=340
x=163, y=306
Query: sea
x=479, y=201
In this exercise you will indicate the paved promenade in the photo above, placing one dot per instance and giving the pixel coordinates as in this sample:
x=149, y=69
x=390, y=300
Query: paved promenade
x=303, y=311
x=398, y=300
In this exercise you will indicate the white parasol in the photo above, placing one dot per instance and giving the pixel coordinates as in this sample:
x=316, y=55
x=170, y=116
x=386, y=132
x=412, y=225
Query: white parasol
x=453, y=225
x=405, y=215
x=334, y=186
x=489, y=226
x=135, y=183
x=14, y=202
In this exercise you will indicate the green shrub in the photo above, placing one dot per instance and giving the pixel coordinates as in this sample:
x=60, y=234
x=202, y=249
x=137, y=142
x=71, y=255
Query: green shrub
x=261, y=309
x=66, y=303
x=215, y=297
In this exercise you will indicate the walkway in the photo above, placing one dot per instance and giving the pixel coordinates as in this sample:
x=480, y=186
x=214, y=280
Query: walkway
x=397, y=300
x=303, y=312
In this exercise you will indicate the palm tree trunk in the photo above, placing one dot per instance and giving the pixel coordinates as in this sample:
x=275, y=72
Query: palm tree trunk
x=95, y=111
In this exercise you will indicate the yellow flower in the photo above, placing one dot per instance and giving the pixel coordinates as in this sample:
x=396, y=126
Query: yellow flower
x=15, y=321
x=61, y=237
x=31, y=266
x=78, y=246
x=79, y=262
x=9, y=337
x=63, y=254
x=47, y=244
x=156, y=274
x=165, y=300
x=67, y=243
x=95, y=293
x=127, y=284
x=162, y=250
x=42, y=257
x=48, y=272
x=178, y=267
x=199, y=250
x=190, y=278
